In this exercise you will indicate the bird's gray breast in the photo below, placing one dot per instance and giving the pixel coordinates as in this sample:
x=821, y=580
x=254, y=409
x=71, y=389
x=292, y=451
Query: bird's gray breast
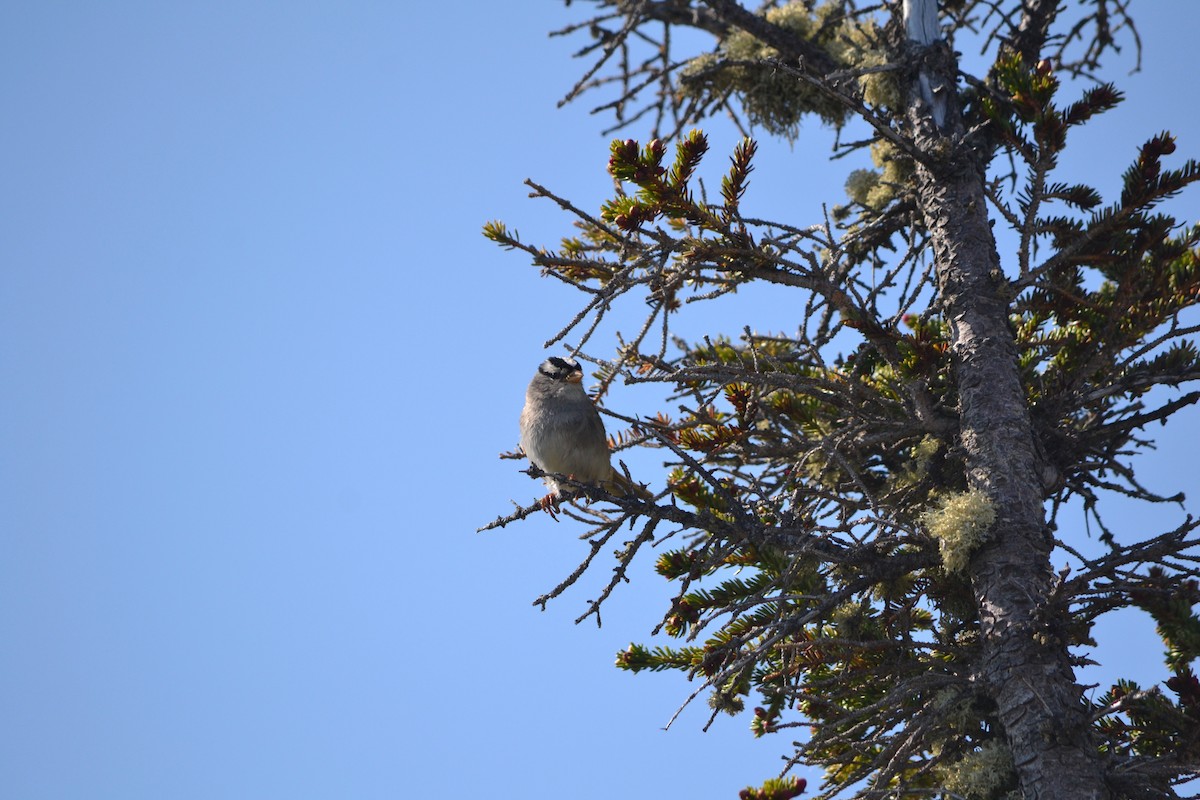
x=564, y=434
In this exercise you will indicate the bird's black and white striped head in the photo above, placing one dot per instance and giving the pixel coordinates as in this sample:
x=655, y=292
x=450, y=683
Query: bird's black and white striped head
x=561, y=369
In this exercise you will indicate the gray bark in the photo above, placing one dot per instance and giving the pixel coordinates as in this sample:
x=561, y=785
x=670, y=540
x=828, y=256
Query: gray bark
x=1025, y=668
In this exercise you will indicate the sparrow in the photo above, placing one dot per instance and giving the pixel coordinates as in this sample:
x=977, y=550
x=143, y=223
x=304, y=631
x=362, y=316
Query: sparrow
x=561, y=432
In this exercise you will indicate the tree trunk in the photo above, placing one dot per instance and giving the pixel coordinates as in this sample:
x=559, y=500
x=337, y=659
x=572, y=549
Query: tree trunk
x=1025, y=667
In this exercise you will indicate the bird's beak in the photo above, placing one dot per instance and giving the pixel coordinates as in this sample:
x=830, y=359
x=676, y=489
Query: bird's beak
x=575, y=377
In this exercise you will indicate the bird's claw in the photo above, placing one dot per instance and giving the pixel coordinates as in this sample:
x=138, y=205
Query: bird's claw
x=549, y=504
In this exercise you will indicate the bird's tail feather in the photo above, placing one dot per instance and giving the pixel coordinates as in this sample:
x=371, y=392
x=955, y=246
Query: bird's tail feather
x=628, y=487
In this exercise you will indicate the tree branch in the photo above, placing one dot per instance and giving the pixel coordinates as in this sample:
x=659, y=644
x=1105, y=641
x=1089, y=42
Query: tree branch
x=806, y=55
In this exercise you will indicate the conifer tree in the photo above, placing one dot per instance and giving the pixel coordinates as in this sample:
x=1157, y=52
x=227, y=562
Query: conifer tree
x=862, y=514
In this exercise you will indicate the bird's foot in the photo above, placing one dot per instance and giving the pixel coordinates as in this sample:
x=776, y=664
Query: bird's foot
x=549, y=504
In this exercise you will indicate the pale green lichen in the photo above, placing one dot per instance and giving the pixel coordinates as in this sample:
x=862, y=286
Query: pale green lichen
x=875, y=188
x=897, y=171
x=859, y=43
x=776, y=99
x=924, y=451
x=955, y=709
x=959, y=522
x=728, y=698
x=860, y=184
x=769, y=96
x=916, y=469
x=908, y=482
x=986, y=773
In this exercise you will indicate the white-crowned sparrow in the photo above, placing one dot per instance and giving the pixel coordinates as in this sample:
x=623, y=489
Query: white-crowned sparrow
x=561, y=431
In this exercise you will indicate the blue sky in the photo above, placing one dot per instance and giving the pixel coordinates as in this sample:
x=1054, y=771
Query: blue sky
x=259, y=362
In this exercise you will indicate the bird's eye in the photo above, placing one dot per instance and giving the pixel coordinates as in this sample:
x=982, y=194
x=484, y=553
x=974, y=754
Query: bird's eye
x=557, y=368
x=561, y=364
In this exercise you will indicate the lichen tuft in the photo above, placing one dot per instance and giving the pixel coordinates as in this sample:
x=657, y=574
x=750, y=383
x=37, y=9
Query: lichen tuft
x=959, y=522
